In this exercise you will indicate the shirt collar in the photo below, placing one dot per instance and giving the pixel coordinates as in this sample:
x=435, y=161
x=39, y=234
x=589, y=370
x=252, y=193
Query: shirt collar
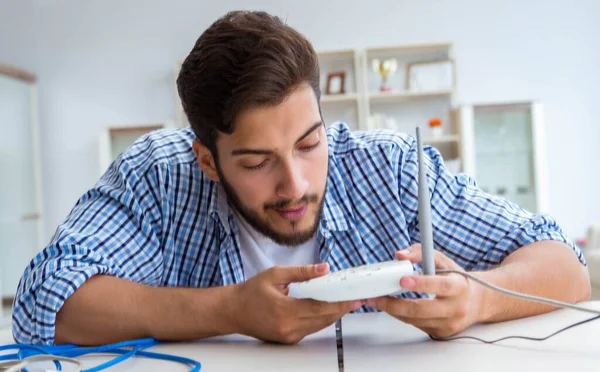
x=337, y=211
x=219, y=207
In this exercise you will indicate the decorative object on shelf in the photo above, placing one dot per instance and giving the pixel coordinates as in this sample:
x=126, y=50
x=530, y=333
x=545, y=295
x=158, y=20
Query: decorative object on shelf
x=382, y=121
x=452, y=165
x=435, y=127
x=385, y=68
x=429, y=76
x=336, y=83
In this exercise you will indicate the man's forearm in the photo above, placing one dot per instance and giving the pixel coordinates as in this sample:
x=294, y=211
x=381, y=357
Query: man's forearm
x=107, y=309
x=547, y=269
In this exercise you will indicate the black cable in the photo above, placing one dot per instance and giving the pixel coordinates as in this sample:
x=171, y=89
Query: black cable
x=519, y=337
x=519, y=295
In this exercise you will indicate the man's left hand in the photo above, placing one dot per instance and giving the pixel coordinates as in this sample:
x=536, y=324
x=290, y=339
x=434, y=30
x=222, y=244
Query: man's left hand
x=456, y=304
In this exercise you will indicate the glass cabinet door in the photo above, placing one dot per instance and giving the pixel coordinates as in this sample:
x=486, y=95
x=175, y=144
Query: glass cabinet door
x=19, y=205
x=504, y=151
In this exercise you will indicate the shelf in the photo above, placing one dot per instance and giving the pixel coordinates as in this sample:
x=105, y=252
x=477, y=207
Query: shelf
x=410, y=48
x=442, y=139
x=503, y=154
x=336, y=52
x=411, y=53
x=133, y=130
x=402, y=96
x=352, y=97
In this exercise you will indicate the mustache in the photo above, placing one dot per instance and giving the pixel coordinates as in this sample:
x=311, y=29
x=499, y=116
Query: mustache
x=313, y=198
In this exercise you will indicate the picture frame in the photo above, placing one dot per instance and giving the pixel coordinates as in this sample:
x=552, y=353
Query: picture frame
x=426, y=76
x=336, y=83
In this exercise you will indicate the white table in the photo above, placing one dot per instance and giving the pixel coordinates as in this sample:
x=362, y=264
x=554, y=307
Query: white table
x=317, y=352
x=378, y=341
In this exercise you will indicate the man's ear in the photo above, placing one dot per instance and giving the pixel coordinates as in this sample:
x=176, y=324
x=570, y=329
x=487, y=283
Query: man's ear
x=205, y=160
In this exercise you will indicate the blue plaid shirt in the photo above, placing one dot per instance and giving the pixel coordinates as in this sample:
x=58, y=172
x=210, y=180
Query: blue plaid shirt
x=154, y=218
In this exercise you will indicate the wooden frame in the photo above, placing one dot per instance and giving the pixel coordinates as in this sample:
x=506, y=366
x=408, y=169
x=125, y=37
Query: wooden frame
x=17, y=73
x=409, y=67
x=7, y=301
x=333, y=75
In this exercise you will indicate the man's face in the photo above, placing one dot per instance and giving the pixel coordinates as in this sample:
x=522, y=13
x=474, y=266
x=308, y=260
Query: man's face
x=274, y=167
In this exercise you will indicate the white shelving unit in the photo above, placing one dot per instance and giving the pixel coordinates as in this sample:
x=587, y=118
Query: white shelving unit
x=364, y=106
x=350, y=98
x=348, y=105
x=361, y=100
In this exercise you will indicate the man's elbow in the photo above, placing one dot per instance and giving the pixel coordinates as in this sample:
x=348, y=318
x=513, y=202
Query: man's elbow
x=576, y=272
x=62, y=333
x=585, y=285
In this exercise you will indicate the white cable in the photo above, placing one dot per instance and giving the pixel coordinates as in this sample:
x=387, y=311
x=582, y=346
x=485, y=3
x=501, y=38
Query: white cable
x=18, y=365
x=517, y=294
x=12, y=365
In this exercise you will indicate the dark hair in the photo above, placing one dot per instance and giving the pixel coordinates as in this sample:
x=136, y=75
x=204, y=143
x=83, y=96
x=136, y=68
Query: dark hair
x=244, y=59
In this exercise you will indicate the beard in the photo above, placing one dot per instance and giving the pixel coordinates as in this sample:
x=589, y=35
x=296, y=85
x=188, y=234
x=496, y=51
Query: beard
x=261, y=225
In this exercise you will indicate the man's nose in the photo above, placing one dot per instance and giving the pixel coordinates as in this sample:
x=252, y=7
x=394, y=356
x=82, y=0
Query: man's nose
x=293, y=184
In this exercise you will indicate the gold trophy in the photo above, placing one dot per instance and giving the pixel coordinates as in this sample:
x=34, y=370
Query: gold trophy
x=385, y=68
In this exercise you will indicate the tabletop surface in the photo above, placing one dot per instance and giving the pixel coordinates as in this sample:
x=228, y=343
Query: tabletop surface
x=317, y=352
x=378, y=341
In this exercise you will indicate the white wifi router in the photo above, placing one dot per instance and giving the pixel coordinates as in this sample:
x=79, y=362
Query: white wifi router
x=356, y=283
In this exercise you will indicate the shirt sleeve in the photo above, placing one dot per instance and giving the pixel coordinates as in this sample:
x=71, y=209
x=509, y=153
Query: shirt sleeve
x=113, y=229
x=475, y=229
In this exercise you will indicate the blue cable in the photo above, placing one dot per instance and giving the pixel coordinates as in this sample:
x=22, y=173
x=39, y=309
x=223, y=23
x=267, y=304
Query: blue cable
x=114, y=361
x=23, y=354
x=9, y=357
x=72, y=351
x=172, y=358
x=78, y=351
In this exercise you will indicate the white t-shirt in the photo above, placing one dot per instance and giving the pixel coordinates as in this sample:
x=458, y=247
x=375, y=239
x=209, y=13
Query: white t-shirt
x=260, y=253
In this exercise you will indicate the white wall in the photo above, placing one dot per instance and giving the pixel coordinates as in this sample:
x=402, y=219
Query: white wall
x=111, y=62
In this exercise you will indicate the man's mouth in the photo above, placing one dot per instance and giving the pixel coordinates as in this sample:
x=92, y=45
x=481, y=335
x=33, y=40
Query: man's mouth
x=294, y=213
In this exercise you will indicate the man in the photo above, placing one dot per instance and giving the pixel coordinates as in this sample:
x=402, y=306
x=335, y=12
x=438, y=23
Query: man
x=197, y=232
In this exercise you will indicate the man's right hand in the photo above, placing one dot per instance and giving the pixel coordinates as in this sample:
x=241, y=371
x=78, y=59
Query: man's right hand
x=262, y=309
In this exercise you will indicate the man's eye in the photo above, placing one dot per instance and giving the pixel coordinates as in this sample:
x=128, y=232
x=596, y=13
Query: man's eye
x=310, y=147
x=255, y=167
